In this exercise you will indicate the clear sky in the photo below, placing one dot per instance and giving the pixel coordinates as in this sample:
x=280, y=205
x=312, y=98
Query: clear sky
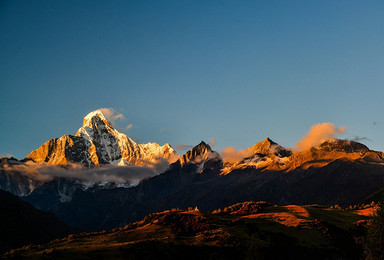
x=185, y=71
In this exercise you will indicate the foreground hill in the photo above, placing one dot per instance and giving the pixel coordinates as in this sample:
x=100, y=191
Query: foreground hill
x=22, y=224
x=250, y=230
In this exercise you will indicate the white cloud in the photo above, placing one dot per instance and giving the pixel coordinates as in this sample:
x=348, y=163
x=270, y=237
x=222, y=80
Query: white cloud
x=111, y=115
x=317, y=133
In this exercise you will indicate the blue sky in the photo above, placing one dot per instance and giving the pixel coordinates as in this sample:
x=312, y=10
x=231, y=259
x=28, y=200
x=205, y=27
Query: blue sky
x=186, y=71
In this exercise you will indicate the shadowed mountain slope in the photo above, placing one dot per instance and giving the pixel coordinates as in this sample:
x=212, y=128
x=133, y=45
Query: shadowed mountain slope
x=21, y=223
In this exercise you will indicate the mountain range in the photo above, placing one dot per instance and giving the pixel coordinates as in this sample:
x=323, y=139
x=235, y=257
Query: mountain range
x=97, y=143
x=99, y=178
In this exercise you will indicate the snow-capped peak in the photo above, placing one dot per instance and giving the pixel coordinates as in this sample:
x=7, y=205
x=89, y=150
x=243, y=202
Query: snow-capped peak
x=95, y=116
x=267, y=146
x=109, y=145
x=199, y=153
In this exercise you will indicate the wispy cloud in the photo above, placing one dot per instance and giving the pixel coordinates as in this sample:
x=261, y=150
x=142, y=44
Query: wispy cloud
x=212, y=142
x=317, y=133
x=360, y=138
x=128, y=127
x=112, y=115
x=183, y=147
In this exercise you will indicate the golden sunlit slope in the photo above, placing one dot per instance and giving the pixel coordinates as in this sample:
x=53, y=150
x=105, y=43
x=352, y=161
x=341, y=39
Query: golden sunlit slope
x=61, y=151
x=246, y=230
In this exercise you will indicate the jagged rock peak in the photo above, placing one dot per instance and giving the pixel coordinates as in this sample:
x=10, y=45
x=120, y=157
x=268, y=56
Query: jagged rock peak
x=201, y=148
x=104, y=142
x=267, y=146
x=347, y=146
x=200, y=152
x=95, y=117
x=267, y=142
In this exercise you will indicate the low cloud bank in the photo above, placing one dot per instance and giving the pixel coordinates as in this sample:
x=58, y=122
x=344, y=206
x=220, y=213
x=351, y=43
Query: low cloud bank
x=318, y=133
x=105, y=174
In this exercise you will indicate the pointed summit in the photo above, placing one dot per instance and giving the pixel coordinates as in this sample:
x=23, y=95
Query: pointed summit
x=95, y=117
x=201, y=159
x=267, y=146
x=103, y=139
x=199, y=153
x=201, y=148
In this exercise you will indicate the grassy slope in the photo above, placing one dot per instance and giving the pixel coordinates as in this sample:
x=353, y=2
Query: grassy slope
x=247, y=231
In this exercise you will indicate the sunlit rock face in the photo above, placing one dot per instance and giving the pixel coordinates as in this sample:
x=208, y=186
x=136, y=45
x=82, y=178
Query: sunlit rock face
x=203, y=158
x=61, y=151
x=96, y=143
x=268, y=147
x=199, y=153
x=103, y=139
